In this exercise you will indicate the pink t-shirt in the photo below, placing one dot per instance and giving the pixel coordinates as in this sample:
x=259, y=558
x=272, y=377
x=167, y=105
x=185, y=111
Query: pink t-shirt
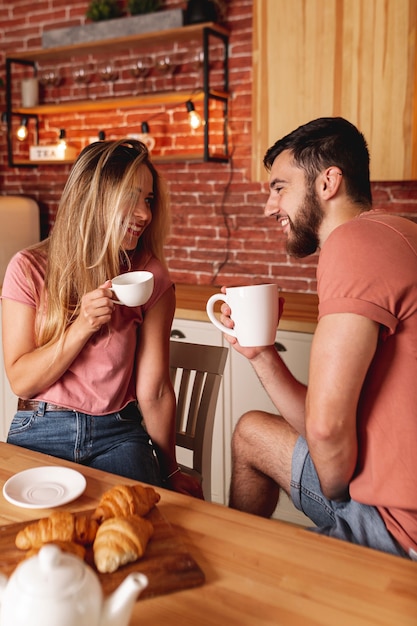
x=101, y=379
x=368, y=266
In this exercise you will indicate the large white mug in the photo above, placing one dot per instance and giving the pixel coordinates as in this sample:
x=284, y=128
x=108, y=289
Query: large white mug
x=133, y=288
x=254, y=310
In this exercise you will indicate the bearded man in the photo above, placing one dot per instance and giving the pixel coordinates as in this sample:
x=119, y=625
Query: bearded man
x=344, y=447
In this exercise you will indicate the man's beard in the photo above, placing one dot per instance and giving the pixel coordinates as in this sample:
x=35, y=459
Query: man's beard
x=303, y=238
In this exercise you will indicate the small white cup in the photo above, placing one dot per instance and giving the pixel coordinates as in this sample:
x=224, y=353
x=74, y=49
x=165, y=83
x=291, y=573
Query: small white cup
x=133, y=288
x=254, y=311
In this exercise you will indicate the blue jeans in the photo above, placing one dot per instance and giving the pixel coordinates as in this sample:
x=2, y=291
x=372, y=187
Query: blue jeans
x=350, y=520
x=116, y=443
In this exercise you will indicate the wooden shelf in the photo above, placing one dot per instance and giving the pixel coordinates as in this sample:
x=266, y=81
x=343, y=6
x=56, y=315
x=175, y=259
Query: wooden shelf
x=185, y=33
x=196, y=32
x=174, y=158
x=152, y=99
x=29, y=163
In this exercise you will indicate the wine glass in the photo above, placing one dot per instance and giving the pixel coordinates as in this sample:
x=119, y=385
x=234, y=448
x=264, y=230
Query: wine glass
x=196, y=66
x=141, y=69
x=163, y=65
x=50, y=78
x=197, y=61
x=166, y=66
x=82, y=75
x=108, y=72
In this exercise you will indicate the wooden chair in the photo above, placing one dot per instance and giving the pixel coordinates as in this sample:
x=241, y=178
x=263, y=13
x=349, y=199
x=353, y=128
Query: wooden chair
x=196, y=373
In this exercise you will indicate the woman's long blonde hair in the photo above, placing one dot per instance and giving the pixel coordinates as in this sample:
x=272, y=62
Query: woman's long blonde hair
x=85, y=245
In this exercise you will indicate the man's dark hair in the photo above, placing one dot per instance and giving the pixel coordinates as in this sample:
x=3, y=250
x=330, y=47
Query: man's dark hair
x=325, y=142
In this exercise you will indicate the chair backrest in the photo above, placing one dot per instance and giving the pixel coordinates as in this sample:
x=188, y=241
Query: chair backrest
x=196, y=373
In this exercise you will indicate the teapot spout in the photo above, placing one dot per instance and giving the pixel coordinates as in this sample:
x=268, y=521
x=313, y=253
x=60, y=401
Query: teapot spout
x=118, y=607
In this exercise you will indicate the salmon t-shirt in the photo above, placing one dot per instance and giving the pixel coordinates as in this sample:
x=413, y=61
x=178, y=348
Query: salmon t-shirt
x=101, y=379
x=368, y=266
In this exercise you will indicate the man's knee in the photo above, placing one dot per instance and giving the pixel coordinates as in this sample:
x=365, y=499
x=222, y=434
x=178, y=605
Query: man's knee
x=247, y=423
x=251, y=427
x=244, y=431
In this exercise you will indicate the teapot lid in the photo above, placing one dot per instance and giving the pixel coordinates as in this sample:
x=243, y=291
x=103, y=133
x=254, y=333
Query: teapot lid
x=51, y=572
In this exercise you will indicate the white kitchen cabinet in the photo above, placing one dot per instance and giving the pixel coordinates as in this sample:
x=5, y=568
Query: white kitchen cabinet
x=247, y=393
x=240, y=391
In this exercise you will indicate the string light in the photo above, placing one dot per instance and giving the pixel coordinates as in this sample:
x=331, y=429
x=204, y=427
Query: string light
x=22, y=131
x=62, y=143
x=145, y=137
x=193, y=117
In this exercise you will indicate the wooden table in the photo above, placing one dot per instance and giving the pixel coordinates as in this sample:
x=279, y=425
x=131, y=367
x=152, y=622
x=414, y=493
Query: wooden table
x=257, y=571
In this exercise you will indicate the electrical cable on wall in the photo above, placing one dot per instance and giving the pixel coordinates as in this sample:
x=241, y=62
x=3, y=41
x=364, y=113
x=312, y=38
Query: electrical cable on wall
x=225, y=216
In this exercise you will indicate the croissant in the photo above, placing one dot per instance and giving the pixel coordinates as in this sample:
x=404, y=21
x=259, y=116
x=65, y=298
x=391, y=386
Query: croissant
x=61, y=526
x=66, y=546
x=124, y=500
x=121, y=540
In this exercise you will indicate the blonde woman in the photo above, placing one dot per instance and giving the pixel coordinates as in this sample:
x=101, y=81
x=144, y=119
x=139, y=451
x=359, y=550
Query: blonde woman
x=92, y=376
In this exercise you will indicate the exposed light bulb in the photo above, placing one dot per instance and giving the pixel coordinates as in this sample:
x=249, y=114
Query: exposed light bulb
x=62, y=143
x=22, y=131
x=195, y=120
x=62, y=137
x=193, y=117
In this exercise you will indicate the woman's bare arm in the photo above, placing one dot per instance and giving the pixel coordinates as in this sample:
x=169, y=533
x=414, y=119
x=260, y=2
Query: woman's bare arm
x=29, y=368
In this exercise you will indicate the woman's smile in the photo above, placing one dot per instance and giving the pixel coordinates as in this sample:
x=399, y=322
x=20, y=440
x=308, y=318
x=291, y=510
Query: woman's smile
x=135, y=230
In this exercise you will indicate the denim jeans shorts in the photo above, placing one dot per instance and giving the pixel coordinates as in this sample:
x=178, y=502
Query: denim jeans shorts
x=350, y=521
x=116, y=443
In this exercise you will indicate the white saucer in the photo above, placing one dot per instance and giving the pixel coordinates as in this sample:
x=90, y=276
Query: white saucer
x=44, y=487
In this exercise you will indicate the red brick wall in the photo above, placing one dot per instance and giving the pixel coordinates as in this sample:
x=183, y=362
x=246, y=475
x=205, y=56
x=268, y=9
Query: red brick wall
x=219, y=235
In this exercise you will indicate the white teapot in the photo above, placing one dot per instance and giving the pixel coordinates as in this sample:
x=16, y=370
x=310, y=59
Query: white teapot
x=58, y=588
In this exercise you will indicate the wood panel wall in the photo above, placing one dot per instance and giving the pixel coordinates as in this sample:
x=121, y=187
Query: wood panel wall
x=354, y=58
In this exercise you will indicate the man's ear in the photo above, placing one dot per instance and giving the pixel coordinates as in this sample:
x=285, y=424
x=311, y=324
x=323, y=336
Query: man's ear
x=329, y=182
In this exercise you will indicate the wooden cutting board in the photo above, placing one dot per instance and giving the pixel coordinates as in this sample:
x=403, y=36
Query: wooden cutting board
x=167, y=563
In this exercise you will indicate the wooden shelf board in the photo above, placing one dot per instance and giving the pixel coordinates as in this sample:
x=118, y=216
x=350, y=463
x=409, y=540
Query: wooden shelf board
x=20, y=162
x=190, y=157
x=153, y=99
x=184, y=33
x=195, y=157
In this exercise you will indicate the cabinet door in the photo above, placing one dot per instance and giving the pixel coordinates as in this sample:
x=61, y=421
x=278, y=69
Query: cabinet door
x=349, y=58
x=247, y=393
x=206, y=333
